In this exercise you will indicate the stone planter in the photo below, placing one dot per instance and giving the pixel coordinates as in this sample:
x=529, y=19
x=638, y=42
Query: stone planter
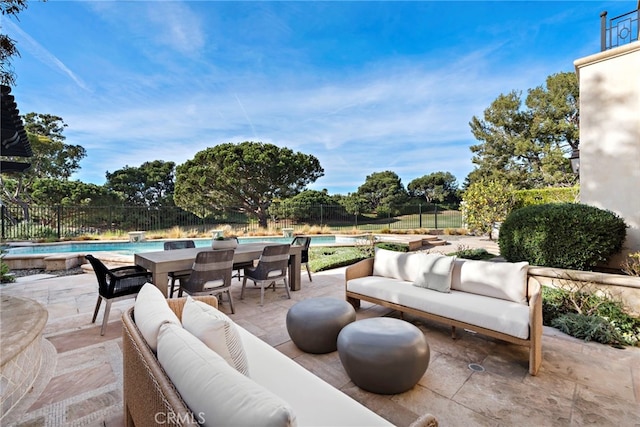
x=228, y=243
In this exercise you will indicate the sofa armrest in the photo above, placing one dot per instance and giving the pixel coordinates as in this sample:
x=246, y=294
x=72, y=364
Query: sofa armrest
x=362, y=268
x=535, y=324
x=150, y=398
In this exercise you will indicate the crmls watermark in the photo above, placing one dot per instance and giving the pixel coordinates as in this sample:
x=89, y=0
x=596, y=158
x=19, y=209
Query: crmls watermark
x=173, y=418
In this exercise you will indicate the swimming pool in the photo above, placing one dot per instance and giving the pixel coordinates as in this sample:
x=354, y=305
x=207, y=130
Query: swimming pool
x=130, y=248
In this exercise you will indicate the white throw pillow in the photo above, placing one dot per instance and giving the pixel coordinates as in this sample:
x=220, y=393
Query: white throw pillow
x=504, y=280
x=436, y=273
x=217, y=331
x=152, y=310
x=397, y=265
x=216, y=393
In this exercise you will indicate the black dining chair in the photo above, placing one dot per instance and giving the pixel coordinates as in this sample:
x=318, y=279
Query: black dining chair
x=272, y=266
x=116, y=284
x=178, y=275
x=303, y=241
x=210, y=275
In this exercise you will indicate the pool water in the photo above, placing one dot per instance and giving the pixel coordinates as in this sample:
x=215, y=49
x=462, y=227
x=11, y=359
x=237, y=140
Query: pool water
x=130, y=248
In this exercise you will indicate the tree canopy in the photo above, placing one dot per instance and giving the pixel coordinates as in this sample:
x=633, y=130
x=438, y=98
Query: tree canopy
x=527, y=147
x=435, y=187
x=382, y=191
x=246, y=176
x=151, y=184
x=52, y=158
x=51, y=192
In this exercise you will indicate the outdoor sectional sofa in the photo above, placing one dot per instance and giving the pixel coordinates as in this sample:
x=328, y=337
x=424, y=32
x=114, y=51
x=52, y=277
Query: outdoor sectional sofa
x=171, y=376
x=497, y=299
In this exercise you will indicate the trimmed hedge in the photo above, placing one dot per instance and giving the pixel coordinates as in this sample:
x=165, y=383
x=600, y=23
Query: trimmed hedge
x=563, y=235
x=540, y=196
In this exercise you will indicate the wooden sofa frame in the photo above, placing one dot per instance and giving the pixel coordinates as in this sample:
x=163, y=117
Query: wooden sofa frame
x=534, y=342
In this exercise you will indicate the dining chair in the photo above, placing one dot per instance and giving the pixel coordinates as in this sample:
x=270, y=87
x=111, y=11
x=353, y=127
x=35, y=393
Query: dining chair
x=272, y=266
x=116, y=284
x=210, y=275
x=178, y=275
x=303, y=241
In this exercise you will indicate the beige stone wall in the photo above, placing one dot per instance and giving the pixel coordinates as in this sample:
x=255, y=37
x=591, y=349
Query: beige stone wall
x=610, y=136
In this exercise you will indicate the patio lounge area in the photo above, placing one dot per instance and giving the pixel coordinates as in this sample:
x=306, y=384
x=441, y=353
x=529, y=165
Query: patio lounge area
x=578, y=384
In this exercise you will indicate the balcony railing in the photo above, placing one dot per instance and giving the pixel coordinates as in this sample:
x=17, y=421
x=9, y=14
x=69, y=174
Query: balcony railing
x=618, y=31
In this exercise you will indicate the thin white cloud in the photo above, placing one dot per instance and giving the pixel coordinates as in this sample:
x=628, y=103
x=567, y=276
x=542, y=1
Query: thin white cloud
x=26, y=42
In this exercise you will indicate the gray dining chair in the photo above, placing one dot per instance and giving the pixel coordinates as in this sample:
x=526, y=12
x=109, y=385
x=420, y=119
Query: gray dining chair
x=272, y=266
x=210, y=275
x=178, y=275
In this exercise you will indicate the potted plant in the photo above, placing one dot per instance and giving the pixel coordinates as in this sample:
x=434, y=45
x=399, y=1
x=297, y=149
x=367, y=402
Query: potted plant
x=223, y=239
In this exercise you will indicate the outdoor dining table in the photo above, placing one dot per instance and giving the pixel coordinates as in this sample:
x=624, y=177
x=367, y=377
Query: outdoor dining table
x=160, y=263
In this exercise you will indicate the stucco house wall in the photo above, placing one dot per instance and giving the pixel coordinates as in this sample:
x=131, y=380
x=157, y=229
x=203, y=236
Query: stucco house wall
x=610, y=136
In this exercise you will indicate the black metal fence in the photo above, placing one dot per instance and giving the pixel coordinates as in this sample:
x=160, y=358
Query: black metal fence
x=66, y=222
x=619, y=30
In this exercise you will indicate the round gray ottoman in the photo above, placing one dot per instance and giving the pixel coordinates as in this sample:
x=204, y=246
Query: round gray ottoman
x=314, y=324
x=383, y=355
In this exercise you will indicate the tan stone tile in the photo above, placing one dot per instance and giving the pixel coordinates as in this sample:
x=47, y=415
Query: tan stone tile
x=336, y=376
x=35, y=422
x=635, y=377
x=603, y=373
x=62, y=309
x=93, y=404
x=448, y=412
x=81, y=357
x=64, y=386
x=594, y=408
x=382, y=405
x=551, y=383
x=445, y=374
x=86, y=337
x=510, y=402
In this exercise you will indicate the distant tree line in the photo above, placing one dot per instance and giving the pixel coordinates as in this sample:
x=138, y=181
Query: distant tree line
x=519, y=147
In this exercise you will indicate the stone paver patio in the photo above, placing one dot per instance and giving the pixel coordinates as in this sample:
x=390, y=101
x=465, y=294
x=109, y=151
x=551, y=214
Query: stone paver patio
x=579, y=383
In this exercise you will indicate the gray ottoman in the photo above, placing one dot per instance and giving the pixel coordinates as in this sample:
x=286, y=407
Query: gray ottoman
x=314, y=324
x=383, y=355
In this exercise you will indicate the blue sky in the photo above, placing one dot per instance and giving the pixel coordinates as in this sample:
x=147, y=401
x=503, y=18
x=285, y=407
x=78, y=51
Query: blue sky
x=363, y=86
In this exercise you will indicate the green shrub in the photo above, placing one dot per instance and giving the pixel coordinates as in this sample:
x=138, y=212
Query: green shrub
x=5, y=273
x=398, y=247
x=564, y=235
x=589, y=316
x=539, y=196
x=588, y=328
x=477, y=254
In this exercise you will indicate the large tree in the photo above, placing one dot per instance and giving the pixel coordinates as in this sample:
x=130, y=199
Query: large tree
x=151, y=184
x=383, y=192
x=50, y=192
x=52, y=158
x=435, y=187
x=305, y=206
x=528, y=147
x=246, y=177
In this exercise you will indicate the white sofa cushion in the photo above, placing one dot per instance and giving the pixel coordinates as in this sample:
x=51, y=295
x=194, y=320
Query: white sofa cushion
x=215, y=392
x=435, y=273
x=499, y=315
x=315, y=402
x=397, y=265
x=504, y=280
x=217, y=331
x=152, y=310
